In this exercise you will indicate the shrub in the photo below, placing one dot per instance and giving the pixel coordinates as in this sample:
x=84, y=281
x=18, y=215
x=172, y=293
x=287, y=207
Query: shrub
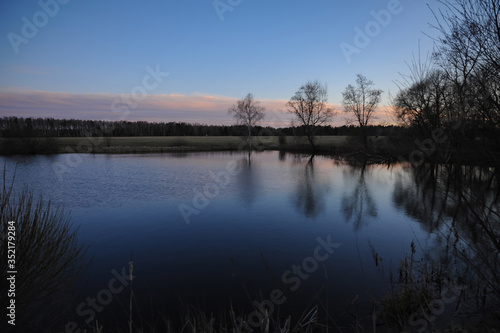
x=48, y=258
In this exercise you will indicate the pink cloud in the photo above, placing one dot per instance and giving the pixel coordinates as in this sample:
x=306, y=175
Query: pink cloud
x=193, y=108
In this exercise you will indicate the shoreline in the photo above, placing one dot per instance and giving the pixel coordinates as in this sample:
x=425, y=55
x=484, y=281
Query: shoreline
x=381, y=149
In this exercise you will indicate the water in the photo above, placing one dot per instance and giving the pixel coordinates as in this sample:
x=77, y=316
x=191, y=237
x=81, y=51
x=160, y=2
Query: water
x=214, y=229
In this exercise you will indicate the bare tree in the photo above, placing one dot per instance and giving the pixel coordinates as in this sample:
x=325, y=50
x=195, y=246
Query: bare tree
x=248, y=112
x=459, y=90
x=424, y=102
x=309, y=105
x=470, y=34
x=468, y=50
x=361, y=101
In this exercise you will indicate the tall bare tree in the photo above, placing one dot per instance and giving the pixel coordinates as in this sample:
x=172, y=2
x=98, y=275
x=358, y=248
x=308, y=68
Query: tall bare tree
x=309, y=105
x=423, y=102
x=469, y=52
x=361, y=100
x=247, y=112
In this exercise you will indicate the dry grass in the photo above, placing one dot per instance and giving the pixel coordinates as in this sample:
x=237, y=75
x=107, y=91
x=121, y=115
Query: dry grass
x=48, y=258
x=161, y=144
x=428, y=297
x=380, y=148
x=199, y=143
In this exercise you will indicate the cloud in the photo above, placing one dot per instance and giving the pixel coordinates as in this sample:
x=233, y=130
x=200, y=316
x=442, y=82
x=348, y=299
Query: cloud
x=192, y=108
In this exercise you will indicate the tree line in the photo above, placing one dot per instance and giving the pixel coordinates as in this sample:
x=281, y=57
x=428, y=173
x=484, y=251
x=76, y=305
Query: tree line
x=18, y=127
x=12, y=127
x=451, y=98
x=458, y=88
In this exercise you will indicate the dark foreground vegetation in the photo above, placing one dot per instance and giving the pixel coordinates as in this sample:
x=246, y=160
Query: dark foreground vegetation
x=48, y=261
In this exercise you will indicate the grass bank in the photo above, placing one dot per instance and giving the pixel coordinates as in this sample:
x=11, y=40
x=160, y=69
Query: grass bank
x=149, y=144
x=380, y=149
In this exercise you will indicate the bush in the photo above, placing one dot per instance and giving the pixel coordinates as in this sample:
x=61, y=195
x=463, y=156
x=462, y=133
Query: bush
x=48, y=259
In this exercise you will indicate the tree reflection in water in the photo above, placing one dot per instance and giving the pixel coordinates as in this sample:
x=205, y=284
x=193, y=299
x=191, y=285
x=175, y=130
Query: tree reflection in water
x=248, y=180
x=359, y=205
x=309, y=197
x=460, y=206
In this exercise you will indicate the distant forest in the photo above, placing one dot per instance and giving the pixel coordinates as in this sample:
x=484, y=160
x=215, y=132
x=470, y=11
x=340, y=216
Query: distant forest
x=14, y=127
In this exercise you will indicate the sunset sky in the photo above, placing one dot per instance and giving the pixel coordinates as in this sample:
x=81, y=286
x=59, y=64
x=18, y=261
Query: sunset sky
x=187, y=60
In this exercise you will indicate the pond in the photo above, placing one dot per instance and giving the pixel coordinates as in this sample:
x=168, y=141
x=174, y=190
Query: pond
x=280, y=231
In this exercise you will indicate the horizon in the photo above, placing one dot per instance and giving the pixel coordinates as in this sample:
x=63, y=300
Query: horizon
x=204, y=124
x=175, y=61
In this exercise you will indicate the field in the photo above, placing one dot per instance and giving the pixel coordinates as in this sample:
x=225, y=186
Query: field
x=165, y=143
x=379, y=148
x=159, y=144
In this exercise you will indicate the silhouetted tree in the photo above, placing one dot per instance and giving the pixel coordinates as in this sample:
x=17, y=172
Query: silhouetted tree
x=424, y=99
x=249, y=113
x=309, y=105
x=468, y=50
x=361, y=101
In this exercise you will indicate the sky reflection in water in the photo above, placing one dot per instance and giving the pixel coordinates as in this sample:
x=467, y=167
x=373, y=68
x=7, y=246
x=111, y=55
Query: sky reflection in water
x=262, y=219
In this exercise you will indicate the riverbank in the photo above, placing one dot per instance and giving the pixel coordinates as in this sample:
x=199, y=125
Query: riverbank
x=158, y=144
x=380, y=148
x=142, y=144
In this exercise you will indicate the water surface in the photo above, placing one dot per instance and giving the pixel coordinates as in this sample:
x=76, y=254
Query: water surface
x=214, y=229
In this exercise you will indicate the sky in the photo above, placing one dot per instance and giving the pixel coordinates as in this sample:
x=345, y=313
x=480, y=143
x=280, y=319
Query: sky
x=190, y=60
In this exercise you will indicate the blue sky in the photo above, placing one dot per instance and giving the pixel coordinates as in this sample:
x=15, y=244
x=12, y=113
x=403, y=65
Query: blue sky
x=84, y=55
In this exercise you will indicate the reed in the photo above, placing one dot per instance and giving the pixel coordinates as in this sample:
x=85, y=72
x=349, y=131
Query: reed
x=48, y=257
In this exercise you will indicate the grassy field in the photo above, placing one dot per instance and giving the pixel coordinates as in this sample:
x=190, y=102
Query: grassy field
x=160, y=144
x=199, y=143
x=157, y=144
x=384, y=146
x=151, y=144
